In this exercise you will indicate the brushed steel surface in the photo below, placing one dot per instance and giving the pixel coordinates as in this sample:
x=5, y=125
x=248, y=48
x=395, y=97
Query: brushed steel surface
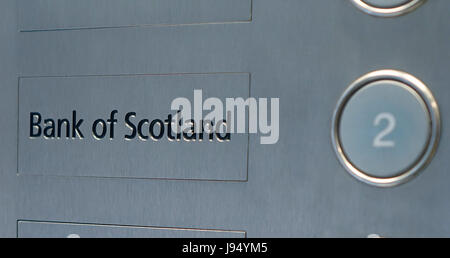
x=304, y=52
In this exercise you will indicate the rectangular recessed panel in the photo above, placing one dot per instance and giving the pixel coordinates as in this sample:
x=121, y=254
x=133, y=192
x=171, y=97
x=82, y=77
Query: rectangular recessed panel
x=28, y=229
x=64, y=128
x=84, y=14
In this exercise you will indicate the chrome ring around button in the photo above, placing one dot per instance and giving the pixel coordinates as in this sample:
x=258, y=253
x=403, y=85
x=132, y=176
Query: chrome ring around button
x=432, y=110
x=387, y=11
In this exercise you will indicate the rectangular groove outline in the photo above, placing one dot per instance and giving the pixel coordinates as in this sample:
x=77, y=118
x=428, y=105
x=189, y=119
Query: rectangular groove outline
x=130, y=226
x=137, y=25
x=131, y=178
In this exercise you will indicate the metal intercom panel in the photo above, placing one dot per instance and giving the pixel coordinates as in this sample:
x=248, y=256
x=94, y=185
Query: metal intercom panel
x=345, y=107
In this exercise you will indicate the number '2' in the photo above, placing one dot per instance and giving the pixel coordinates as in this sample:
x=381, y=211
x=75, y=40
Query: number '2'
x=378, y=142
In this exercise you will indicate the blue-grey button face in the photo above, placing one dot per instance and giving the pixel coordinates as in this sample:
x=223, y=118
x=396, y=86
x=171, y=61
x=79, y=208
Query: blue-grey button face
x=386, y=3
x=387, y=8
x=384, y=128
